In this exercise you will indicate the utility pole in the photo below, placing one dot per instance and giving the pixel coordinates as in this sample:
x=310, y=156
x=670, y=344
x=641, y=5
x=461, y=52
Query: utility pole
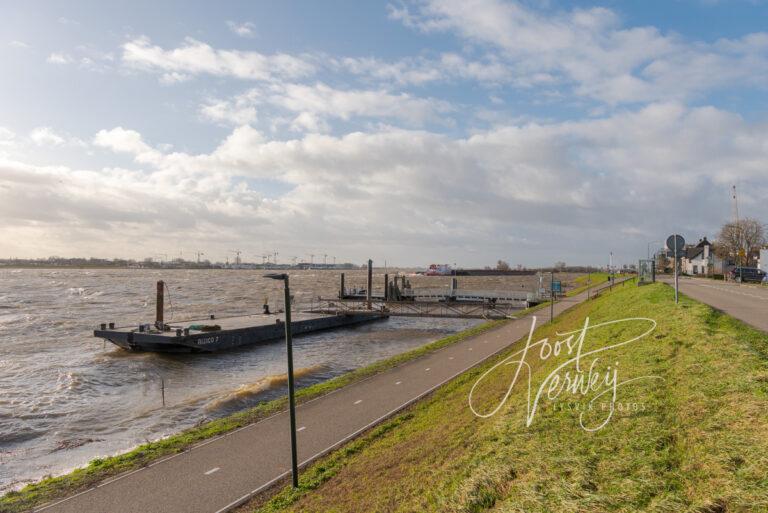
x=311, y=260
x=737, y=226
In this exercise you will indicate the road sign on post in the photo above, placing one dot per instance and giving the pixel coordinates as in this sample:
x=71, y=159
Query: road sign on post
x=676, y=244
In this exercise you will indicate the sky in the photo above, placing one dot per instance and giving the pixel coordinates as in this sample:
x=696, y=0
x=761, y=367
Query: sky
x=449, y=131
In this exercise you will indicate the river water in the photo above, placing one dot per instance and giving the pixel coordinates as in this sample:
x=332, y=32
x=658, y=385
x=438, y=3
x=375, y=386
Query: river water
x=66, y=397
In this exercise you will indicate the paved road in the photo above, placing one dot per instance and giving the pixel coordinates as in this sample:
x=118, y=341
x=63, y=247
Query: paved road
x=221, y=473
x=746, y=302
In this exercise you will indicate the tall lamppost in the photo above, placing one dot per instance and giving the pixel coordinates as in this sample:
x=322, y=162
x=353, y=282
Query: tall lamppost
x=289, y=350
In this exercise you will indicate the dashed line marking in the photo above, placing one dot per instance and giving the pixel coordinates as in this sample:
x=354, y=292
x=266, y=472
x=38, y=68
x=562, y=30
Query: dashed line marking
x=398, y=382
x=450, y=357
x=302, y=428
x=426, y=369
x=214, y=469
x=470, y=349
x=358, y=401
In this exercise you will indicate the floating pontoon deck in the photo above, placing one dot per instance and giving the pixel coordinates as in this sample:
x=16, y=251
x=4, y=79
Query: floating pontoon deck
x=201, y=336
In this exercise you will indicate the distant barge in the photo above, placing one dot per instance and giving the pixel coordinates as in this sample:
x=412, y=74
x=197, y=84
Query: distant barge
x=217, y=334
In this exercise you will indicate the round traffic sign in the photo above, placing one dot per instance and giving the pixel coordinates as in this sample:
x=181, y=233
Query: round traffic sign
x=676, y=243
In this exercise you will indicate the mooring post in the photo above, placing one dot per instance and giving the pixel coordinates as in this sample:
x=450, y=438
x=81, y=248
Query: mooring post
x=368, y=295
x=341, y=287
x=159, y=305
x=386, y=287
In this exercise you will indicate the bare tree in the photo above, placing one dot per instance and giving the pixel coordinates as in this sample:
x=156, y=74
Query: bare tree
x=662, y=262
x=739, y=239
x=501, y=265
x=560, y=266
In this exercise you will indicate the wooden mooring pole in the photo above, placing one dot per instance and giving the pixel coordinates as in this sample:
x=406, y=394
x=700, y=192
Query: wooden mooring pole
x=386, y=287
x=341, y=287
x=368, y=292
x=159, y=307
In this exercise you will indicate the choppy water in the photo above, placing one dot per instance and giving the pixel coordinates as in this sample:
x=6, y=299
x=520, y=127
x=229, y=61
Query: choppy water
x=66, y=398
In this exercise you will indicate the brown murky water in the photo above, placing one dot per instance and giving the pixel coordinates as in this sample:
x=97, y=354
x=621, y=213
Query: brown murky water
x=66, y=398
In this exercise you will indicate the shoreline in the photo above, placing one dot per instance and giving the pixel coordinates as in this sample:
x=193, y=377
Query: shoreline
x=98, y=470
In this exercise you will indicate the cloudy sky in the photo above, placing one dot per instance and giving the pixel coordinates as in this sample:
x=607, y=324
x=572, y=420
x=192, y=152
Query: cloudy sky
x=440, y=131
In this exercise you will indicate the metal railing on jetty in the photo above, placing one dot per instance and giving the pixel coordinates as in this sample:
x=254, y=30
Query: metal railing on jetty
x=401, y=299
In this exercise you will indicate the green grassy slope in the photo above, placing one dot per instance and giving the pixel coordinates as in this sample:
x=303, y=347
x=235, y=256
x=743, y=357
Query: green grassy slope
x=696, y=440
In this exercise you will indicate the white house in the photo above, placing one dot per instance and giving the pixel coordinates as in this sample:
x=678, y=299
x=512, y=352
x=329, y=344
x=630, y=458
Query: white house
x=700, y=259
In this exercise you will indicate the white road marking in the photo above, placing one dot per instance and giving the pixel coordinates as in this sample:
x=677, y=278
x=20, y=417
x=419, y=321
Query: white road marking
x=450, y=357
x=426, y=369
x=470, y=349
x=302, y=428
x=358, y=401
x=214, y=469
x=398, y=382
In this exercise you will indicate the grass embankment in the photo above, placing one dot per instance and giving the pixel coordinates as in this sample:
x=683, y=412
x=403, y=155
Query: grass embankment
x=587, y=281
x=99, y=469
x=694, y=441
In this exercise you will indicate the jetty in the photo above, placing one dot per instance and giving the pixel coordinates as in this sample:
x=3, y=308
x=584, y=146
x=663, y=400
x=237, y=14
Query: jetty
x=213, y=333
x=399, y=298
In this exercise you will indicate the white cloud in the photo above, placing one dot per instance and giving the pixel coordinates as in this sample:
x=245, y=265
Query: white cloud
x=7, y=137
x=583, y=183
x=121, y=140
x=195, y=57
x=236, y=112
x=60, y=58
x=311, y=106
x=246, y=29
x=18, y=44
x=45, y=136
x=173, y=77
x=589, y=50
x=421, y=70
x=322, y=100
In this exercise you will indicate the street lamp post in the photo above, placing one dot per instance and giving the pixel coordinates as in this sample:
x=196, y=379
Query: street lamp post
x=610, y=271
x=289, y=350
